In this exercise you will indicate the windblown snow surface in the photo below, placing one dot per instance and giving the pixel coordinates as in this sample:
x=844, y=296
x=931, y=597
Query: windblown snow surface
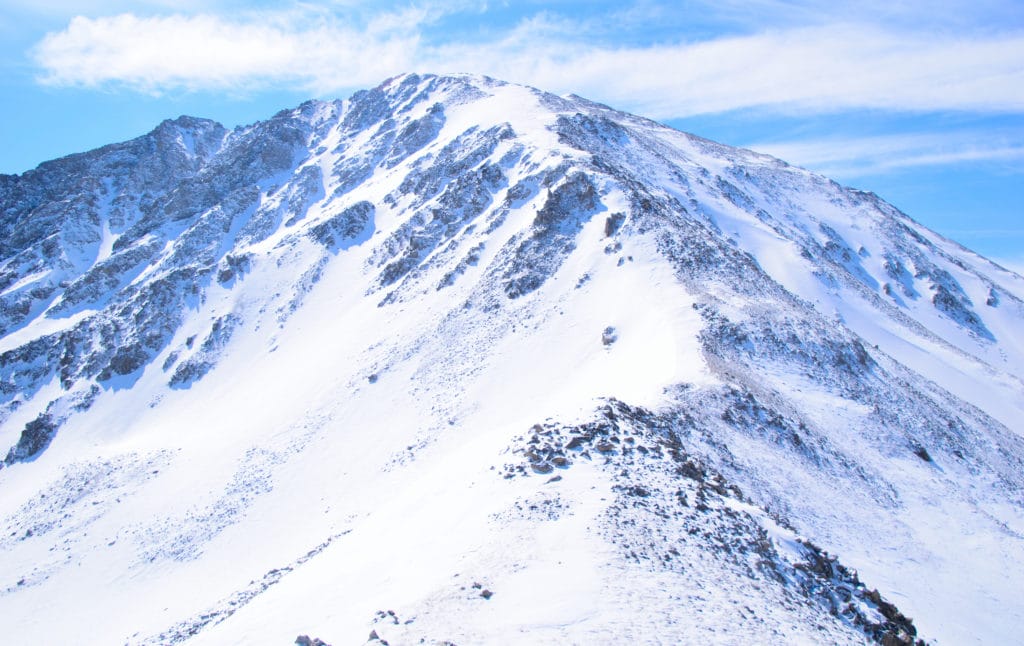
x=458, y=361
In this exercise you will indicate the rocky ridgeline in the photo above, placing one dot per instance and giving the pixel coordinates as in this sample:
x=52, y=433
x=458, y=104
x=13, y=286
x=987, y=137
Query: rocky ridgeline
x=122, y=241
x=670, y=504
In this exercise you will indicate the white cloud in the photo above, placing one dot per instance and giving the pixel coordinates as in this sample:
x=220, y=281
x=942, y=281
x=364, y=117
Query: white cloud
x=207, y=52
x=917, y=14
x=855, y=157
x=814, y=68
x=831, y=67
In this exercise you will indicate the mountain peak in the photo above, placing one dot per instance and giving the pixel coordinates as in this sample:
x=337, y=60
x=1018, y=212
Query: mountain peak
x=462, y=336
x=186, y=122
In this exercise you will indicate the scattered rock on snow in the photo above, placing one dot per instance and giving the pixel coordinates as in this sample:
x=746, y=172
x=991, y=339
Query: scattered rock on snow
x=609, y=336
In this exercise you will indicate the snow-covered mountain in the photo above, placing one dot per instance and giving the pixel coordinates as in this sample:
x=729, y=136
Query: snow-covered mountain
x=459, y=361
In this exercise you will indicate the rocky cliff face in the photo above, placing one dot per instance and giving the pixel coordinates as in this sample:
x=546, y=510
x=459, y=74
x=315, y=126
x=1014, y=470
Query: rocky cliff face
x=665, y=371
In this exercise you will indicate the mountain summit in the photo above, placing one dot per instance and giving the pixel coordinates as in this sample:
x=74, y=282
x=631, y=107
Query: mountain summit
x=460, y=361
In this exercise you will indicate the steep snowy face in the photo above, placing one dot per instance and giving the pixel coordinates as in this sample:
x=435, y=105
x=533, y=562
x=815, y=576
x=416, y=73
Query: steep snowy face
x=373, y=358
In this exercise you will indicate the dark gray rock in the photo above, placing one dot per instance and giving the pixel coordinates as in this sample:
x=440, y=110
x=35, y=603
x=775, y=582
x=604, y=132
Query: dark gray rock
x=352, y=226
x=34, y=438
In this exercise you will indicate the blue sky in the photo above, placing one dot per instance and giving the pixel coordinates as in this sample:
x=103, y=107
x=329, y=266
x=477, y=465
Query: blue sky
x=921, y=102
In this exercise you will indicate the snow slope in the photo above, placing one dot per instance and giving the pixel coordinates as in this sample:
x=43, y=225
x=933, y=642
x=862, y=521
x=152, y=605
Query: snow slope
x=456, y=360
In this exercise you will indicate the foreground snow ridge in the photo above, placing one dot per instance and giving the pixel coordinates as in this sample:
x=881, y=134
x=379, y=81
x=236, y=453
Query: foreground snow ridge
x=460, y=361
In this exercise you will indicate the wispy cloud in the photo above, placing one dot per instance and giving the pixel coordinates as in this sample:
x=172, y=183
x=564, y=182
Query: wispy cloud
x=162, y=53
x=849, y=157
x=957, y=15
x=829, y=67
x=806, y=69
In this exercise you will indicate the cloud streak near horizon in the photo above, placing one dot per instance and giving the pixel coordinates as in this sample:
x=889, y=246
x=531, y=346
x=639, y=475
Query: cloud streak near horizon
x=848, y=157
x=806, y=69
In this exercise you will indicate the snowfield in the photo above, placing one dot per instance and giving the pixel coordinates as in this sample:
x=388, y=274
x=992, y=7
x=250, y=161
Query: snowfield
x=458, y=361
